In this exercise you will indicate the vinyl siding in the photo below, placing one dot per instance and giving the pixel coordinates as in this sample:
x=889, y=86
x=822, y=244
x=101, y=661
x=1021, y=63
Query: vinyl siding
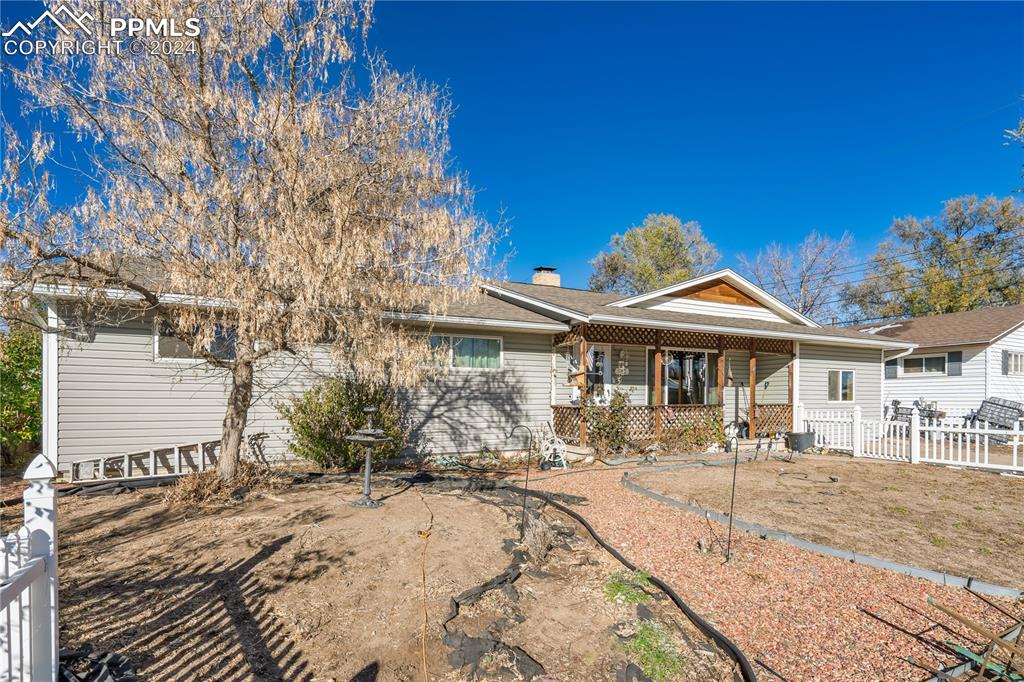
x=817, y=359
x=563, y=384
x=1002, y=385
x=114, y=397
x=469, y=410
x=737, y=365
x=687, y=305
x=956, y=395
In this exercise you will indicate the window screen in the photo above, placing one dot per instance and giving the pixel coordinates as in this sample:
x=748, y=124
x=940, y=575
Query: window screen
x=472, y=352
x=170, y=346
x=840, y=385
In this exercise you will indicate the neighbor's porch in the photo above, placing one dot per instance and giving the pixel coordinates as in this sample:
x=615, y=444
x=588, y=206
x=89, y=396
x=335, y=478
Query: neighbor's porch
x=673, y=378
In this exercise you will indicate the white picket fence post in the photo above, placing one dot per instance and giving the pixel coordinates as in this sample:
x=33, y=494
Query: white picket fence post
x=858, y=432
x=915, y=436
x=28, y=583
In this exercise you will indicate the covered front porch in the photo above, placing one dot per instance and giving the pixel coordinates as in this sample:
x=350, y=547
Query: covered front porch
x=672, y=378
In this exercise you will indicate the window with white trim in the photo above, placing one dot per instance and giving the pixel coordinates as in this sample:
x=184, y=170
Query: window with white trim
x=167, y=346
x=840, y=385
x=467, y=352
x=925, y=364
x=1015, y=363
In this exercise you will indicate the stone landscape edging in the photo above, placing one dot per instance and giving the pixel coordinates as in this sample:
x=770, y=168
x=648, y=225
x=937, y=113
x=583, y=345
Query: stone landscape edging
x=768, y=533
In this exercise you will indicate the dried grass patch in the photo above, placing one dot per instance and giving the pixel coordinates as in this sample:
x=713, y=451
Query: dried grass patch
x=207, y=487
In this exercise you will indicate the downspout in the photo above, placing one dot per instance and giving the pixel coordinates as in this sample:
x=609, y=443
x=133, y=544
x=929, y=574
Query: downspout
x=988, y=373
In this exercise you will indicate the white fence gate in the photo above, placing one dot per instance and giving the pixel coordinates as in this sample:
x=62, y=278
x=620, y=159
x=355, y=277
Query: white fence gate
x=932, y=441
x=28, y=584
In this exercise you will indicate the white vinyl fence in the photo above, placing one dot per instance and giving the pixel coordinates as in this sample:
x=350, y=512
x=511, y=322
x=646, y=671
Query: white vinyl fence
x=932, y=441
x=28, y=584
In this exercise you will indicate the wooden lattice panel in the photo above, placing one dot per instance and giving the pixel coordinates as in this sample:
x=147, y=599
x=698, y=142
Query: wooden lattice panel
x=735, y=342
x=566, y=420
x=569, y=337
x=781, y=346
x=681, y=339
x=621, y=336
x=677, y=416
x=640, y=420
x=641, y=336
x=773, y=418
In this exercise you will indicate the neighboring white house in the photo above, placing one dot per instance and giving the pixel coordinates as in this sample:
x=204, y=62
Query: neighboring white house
x=960, y=359
x=684, y=353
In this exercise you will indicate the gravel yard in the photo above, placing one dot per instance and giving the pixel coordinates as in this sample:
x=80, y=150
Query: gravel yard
x=797, y=615
x=962, y=522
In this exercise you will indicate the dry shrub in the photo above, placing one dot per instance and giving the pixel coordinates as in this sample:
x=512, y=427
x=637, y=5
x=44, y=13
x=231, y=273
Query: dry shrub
x=207, y=487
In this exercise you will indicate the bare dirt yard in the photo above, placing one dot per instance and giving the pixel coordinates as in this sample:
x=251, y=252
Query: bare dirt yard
x=298, y=585
x=963, y=522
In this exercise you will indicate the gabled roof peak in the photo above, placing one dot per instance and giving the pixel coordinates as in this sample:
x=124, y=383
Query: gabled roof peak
x=732, y=278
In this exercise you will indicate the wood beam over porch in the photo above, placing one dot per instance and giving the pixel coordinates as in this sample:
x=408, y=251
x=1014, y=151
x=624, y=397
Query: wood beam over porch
x=581, y=382
x=658, y=364
x=720, y=387
x=752, y=409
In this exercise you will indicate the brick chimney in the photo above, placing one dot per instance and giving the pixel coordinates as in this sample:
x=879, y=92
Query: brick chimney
x=547, y=276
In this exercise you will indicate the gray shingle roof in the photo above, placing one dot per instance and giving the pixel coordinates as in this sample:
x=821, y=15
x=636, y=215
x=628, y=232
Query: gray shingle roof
x=596, y=303
x=984, y=325
x=490, y=308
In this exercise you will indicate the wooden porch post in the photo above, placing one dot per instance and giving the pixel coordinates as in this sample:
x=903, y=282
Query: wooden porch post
x=581, y=381
x=657, y=383
x=792, y=407
x=751, y=413
x=720, y=388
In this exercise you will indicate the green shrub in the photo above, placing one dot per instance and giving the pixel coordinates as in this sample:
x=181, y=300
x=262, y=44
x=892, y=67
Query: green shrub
x=320, y=419
x=628, y=588
x=608, y=426
x=21, y=380
x=655, y=652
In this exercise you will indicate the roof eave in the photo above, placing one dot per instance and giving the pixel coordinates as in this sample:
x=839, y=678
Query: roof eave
x=68, y=292
x=766, y=333
x=491, y=323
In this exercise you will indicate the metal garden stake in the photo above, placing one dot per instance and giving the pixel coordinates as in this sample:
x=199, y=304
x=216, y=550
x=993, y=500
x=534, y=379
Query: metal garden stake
x=370, y=437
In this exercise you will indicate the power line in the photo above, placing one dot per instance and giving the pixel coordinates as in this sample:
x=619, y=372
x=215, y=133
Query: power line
x=895, y=258
x=906, y=288
x=924, y=284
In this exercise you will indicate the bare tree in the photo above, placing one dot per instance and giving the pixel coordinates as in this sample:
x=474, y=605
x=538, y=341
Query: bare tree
x=807, y=278
x=277, y=188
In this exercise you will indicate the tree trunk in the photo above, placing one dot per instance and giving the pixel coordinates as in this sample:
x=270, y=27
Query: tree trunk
x=235, y=418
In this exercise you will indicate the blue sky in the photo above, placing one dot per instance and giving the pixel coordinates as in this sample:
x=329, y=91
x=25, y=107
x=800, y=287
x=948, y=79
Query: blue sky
x=760, y=121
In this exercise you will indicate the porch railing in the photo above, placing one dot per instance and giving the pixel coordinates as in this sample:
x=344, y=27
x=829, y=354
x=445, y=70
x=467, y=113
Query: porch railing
x=641, y=419
x=771, y=419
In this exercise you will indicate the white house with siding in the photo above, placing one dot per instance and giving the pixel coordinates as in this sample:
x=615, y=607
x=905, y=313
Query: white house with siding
x=683, y=353
x=960, y=358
